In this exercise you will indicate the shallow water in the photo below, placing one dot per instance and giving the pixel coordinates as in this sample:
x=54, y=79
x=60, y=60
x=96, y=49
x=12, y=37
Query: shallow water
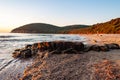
x=11, y=41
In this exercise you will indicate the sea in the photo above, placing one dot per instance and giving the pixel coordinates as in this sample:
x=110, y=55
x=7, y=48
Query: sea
x=11, y=41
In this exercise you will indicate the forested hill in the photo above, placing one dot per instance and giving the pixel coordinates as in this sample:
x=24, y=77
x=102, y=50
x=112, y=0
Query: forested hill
x=110, y=27
x=45, y=28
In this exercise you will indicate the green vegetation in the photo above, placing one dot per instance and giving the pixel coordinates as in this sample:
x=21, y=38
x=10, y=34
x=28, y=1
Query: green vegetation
x=36, y=28
x=45, y=28
x=110, y=27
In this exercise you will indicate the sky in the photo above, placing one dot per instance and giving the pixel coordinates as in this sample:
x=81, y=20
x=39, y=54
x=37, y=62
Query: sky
x=15, y=13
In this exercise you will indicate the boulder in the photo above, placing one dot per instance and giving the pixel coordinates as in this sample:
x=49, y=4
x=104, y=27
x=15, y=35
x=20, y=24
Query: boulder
x=104, y=48
x=26, y=53
x=87, y=48
x=113, y=46
x=28, y=46
x=35, y=46
x=78, y=46
x=16, y=54
x=95, y=48
x=34, y=51
x=23, y=53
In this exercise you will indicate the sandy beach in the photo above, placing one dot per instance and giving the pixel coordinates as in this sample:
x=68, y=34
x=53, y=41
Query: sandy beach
x=101, y=39
x=90, y=65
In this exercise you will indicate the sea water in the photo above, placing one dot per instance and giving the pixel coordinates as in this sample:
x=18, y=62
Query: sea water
x=11, y=41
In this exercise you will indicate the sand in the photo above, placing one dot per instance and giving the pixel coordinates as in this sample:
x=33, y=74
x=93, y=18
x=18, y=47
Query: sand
x=86, y=66
x=102, y=38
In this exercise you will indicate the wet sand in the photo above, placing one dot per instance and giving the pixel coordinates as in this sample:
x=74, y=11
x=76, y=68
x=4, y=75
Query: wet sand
x=13, y=69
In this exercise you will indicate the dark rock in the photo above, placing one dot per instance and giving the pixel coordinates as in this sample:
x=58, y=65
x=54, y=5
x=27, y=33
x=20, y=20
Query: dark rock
x=34, y=51
x=26, y=53
x=79, y=46
x=68, y=45
x=104, y=48
x=43, y=46
x=23, y=53
x=17, y=49
x=28, y=46
x=69, y=51
x=61, y=45
x=87, y=48
x=112, y=46
x=16, y=54
x=56, y=52
x=35, y=46
x=95, y=48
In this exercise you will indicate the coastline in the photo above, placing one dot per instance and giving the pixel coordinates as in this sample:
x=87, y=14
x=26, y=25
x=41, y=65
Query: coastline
x=68, y=66
x=78, y=66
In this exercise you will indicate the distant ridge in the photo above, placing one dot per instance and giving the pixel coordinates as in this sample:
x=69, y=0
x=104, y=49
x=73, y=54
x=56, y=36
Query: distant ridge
x=45, y=28
x=110, y=27
x=36, y=28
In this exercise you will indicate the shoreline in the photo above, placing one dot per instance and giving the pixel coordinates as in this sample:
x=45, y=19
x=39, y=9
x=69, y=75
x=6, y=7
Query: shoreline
x=80, y=63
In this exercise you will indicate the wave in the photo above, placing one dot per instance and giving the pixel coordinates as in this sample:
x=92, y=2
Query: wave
x=7, y=36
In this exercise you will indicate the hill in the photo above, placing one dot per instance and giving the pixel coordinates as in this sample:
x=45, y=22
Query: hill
x=36, y=28
x=109, y=27
x=66, y=29
x=45, y=28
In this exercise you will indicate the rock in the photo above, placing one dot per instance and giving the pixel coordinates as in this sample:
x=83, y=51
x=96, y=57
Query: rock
x=23, y=53
x=16, y=54
x=104, y=48
x=17, y=49
x=79, y=46
x=35, y=46
x=56, y=52
x=95, y=48
x=112, y=46
x=69, y=51
x=61, y=45
x=87, y=48
x=26, y=53
x=28, y=46
x=43, y=46
x=34, y=51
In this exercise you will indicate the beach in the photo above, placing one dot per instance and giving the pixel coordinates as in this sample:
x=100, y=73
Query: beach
x=90, y=65
x=102, y=38
x=69, y=66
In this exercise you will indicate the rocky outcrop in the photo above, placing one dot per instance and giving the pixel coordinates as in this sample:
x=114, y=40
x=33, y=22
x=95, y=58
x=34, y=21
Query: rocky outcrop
x=61, y=47
x=59, y=60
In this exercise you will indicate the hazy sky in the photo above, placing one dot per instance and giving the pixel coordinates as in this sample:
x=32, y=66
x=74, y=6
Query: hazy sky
x=15, y=13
